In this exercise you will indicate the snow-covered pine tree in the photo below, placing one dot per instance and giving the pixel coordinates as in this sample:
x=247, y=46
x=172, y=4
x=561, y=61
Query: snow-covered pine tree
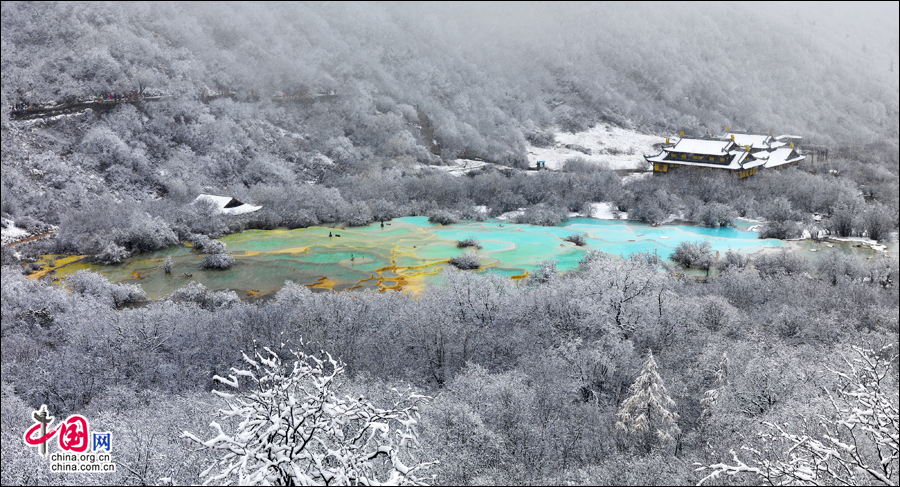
x=293, y=429
x=647, y=416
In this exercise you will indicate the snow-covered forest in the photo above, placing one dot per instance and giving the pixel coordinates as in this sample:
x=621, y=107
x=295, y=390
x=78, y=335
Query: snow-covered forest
x=116, y=116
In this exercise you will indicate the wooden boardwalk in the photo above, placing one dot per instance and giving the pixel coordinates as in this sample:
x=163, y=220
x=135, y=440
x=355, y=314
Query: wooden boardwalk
x=42, y=111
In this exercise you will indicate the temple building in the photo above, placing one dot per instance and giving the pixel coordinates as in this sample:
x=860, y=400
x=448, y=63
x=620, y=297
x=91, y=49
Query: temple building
x=742, y=154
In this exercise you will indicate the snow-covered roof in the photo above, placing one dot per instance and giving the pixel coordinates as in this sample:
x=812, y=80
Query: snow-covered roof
x=785, y=138
x=782, y=156
x=701, y=146
x=753, y=140
x=227, y=204
x=753, y=161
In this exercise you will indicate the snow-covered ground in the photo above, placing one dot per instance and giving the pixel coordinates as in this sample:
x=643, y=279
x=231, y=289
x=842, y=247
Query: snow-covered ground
x=10, y=233
x=616, y=147
x=863, y=240
x=459, y=167
x=606, y=211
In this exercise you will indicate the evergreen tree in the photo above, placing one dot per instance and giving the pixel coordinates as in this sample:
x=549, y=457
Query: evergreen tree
x=647, y=416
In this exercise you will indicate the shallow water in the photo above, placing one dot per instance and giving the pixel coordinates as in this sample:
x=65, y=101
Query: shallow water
x=407, y=253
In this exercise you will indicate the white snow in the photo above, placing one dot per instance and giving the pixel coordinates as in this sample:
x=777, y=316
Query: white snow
x=635, y=176
x=11, y=233
x=221, y=201
x=616, y=147
x=509, y=215
x=459, y=167
x=606, y=211
x=703, y=146
x=863, y=240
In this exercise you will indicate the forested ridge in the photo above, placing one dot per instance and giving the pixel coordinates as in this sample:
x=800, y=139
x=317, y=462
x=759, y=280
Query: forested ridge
x=626, y=370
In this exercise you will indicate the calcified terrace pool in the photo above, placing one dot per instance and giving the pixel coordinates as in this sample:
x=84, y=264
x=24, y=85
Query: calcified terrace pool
x=406, y=254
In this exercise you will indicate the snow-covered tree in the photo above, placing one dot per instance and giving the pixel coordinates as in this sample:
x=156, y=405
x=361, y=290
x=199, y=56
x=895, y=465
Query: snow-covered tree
x=693, y=254
x=294, y=430
x=648, y=414
x=858, y=444
x=218, y=261
x=712, y=395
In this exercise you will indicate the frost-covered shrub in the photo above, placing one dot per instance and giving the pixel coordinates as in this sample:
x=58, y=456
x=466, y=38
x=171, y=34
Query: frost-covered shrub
x=206, y=245
x=218, y=261
x=111, y=254
x=693, y=254
x=542, y=215
x=89, y=283
x=774, y=263
x=465, y=262
x=545, y=272
x=540, y=138
x=780, y=230
x=733, y=259
x=167, y=265
x=469, y=242
x=473, y=213
x=91, y=228
x=716, y=313
x=7, y=256
x=879, y=221
x=146, y=233
x=779, y=210
x=716, y=215
x=198, y=293
x=592, y=257
x=294, y=429
x=359, y=214
x=581, y=165
x=443, y=217
x=651, y=206
x=577, y=239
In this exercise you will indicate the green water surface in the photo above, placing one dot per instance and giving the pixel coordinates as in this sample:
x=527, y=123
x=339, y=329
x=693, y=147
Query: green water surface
x=407, y=253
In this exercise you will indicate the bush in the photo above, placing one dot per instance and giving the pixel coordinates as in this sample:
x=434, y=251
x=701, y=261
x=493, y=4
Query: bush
x=577, y=239
x=693, y=254
x=545, y=273
x=111, y=254
x=733, y=259
x=780, y=230
x=197, y=293
x=359, y=214
x=206, y=245
x=89, y=283
x=541, y=139
x=542, y=215
x=783, y=262
x=716, y=215
x=218, y=261
x=581, y=165
x=442, y=217
x=469, y=242
x=466, y=262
